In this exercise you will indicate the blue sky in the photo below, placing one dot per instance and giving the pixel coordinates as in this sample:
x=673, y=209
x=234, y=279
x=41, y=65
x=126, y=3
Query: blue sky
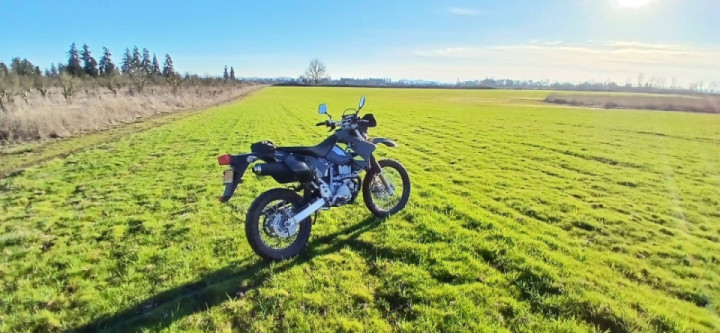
x=439, y=40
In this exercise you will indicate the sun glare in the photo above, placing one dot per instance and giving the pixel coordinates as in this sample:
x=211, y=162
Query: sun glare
x=632, y=3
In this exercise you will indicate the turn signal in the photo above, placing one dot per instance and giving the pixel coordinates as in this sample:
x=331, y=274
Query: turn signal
x=224, y=159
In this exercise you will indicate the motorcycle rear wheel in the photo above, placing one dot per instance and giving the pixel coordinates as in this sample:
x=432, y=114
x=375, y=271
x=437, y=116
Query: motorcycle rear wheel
x=259, y=221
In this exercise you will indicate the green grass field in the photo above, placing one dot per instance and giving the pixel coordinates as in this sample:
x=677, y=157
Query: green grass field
x=523, y=217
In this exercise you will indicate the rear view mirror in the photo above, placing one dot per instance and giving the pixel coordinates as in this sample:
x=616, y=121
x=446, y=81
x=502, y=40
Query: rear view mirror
x=322, y=109
x=362, y=103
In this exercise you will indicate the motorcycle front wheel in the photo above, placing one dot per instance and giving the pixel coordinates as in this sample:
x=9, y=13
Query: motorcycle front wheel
x=383, y=201
x=266, y=229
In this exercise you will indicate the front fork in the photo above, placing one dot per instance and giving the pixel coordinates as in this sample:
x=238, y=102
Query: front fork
x=375, y=166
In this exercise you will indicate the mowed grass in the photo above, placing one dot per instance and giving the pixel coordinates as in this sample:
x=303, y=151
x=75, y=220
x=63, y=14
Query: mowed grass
x=523, y=217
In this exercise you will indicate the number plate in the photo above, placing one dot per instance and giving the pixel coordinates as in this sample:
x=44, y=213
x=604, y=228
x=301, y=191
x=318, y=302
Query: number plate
x=228, y=176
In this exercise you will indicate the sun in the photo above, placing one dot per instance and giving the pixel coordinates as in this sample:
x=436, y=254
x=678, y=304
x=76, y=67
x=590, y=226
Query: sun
x=633, y=3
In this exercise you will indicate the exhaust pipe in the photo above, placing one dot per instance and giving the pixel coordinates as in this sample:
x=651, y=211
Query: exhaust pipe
x=307, y=211
x=271, y=169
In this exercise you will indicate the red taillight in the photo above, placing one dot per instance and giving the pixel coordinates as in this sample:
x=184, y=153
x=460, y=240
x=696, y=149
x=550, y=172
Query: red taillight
x=224, y=159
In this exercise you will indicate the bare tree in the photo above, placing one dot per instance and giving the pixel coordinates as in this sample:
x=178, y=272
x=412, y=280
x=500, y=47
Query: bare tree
x=41, y=85
x=316, y=72
x=140, y=81
x=111, y=83
x=10, y=87
x=68, y=84
x=175, y=80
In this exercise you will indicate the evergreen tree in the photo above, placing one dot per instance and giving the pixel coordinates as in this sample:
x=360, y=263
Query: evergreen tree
x=168, y=69
x=226, y=76
x=126, y=65
x=53, y=70
x=22, y=67
x=136, y=61
x=107, y=67
x=232, y=73
x=15, y=66
x=61, y=68
x=91, y=65
x=73, y=67
x=145, y=65
x=37, y=71
x=3, y=68
x=155, y=67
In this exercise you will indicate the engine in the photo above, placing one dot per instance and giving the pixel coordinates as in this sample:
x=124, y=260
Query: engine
x=345, y=185
x=338, y=183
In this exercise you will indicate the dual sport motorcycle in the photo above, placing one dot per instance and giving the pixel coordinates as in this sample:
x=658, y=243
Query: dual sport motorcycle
x=278, y=222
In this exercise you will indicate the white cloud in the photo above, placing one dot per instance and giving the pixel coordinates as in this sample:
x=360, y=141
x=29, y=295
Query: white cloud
x=464, y=11
x=613, y=60
x=619, y=61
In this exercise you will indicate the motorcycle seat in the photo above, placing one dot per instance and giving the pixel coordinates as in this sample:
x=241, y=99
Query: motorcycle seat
x=321, y=150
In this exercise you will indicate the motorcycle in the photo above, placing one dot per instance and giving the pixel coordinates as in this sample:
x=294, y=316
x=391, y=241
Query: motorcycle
x=278, y=222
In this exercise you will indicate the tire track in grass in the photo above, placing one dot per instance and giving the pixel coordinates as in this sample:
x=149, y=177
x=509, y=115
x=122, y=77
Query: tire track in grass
x=654, y=286
x=492, y=259
x=524, y=246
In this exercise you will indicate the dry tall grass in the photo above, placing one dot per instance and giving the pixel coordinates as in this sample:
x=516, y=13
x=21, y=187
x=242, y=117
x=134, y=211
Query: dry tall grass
x=705, y=104
x=34, y=117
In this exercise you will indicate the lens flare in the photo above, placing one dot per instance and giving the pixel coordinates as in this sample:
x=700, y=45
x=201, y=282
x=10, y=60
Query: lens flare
x=633, y=3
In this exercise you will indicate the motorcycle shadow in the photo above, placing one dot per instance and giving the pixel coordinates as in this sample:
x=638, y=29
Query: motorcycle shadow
x=230, y=282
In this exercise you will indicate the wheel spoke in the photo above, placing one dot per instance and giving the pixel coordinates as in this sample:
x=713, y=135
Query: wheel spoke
x=382, y=197
x=271, y=224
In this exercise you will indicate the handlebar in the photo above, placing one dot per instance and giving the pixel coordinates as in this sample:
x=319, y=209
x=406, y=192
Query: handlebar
x=350, y=122
x=328, y=123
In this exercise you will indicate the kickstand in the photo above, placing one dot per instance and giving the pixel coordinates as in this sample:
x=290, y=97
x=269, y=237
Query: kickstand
x=315, y=218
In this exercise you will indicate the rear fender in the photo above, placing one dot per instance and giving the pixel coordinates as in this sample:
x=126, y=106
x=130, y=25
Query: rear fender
x=240, y=163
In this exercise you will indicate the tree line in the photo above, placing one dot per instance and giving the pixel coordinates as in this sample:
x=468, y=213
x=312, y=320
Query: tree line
x=316, y=74
x=82, y=63
x=136, y=69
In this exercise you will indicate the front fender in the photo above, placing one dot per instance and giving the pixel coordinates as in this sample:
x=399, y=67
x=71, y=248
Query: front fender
x=384, y=141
